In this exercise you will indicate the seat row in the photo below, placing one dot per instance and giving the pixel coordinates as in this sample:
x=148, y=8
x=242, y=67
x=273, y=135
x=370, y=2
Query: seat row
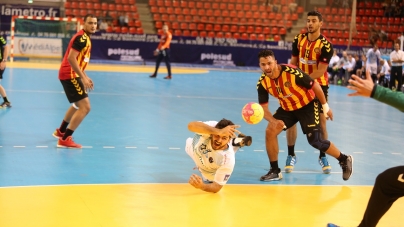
x=102, y=6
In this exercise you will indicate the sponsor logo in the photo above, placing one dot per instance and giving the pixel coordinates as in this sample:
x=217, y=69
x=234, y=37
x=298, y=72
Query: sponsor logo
x=218, y=59
x=317, y=50
x=30, y=46
x=13, y=10
x=226, y=177
x=126, y=54
x=287, y=84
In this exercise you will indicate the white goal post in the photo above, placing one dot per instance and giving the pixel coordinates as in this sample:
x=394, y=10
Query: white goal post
x=29, y=44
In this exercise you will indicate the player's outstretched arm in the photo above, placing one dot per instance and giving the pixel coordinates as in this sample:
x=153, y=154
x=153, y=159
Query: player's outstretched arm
x=366, y=88
x=197, y=182
x=202, y=128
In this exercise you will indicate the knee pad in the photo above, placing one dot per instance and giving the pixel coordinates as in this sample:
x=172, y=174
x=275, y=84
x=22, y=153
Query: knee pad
x=314, y=138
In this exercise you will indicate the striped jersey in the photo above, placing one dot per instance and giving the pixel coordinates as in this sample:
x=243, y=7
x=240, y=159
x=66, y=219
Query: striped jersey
x=312, y=53
x=292, y=88
x=3, y=43
x=81, y=43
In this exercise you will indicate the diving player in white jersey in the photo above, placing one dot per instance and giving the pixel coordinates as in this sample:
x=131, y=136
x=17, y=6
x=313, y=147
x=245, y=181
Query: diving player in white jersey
x=213, y=150
x=373, y=56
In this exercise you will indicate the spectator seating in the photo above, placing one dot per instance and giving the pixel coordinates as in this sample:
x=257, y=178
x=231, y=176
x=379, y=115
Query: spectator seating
x=78, y=8
x=247, y=19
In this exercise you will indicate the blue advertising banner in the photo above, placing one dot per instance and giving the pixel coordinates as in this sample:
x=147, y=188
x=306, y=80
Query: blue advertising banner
x=9, y=10
x=193, y=50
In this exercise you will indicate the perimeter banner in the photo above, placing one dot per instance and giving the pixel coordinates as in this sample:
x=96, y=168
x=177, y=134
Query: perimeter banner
x=9, y=10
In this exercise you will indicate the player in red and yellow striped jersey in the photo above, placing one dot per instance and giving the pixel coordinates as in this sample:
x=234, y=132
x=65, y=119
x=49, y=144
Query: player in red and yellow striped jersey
x=76, y=83
x=311, y=52
x=296, y=92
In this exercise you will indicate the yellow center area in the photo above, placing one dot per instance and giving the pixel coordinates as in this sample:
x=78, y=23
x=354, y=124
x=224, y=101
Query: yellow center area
x=174, y=205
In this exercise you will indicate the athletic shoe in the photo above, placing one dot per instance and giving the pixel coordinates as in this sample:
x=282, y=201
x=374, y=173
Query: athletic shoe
x=272, y=175
x=347, y=167
x=242, y=140
x=167, y=77
x=290, y=163
x=68, y=143
x=324, y=165
x=5, y=104
x=332, y=225
x=153, y=76
x=58, y=134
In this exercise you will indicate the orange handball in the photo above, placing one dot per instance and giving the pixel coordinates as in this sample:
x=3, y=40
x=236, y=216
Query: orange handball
x=252, y=113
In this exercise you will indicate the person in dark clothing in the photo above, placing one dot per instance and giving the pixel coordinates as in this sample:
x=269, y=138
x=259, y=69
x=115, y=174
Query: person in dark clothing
x=389, y=185
x=163, y=51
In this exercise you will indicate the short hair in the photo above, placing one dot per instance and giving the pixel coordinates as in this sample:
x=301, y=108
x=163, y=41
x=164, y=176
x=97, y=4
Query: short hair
x=266, y=53
x=223, y=123
x=316, y=14
x=89, y=16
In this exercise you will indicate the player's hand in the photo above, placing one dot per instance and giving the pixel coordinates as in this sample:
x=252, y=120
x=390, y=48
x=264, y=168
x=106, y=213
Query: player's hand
x=363, y=87
x=229, y=131
x=279, y=125
x=196, y=181
x=88, y=83
x=329, y=115
x=3, y=65
x=156, y=52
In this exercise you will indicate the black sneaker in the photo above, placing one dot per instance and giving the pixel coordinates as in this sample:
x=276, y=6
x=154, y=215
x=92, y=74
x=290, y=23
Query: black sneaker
x=5, y=104
x=153, y=76
x=242, y=140
x=347, y=167
x=272, y=175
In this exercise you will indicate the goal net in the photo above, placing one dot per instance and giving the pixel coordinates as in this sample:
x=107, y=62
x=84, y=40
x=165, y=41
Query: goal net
x=34, y=38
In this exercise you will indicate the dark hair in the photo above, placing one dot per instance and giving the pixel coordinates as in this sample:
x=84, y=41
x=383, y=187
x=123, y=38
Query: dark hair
x=316, y=14
x=266, y=53
x=87, y=16
x=223, y=123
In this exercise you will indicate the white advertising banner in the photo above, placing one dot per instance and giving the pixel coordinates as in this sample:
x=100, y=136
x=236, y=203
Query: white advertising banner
x=37, y=47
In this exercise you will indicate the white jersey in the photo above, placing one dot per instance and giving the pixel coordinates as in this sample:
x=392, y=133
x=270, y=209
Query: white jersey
x=372, y=57
x=214, y=165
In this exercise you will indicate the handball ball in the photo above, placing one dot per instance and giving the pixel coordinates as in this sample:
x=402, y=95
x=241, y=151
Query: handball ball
x=252, y=113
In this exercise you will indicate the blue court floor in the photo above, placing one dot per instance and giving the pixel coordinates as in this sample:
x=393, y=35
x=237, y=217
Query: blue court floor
x=136, y=130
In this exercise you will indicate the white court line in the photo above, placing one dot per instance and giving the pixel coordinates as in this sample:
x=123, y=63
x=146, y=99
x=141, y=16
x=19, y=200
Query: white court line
x=152, y=147
x=259, y=150
x=377, y=153
x=396, y=153
x=299, y=151
x=108, y=147
x=1, y=146
x=87, y=147
x=281, y=151
x=19, y=146
x=131, y=147
x=358, y=152
x=316, y=151
x=174, y=148
x=41, y=146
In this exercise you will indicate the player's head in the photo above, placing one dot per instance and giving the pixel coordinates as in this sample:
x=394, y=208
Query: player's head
x=375, y=47
x=268, y=63
x=397, y=46
x=381, y=61
x=165, y=28
x=90, y=24
x=220, y=142
x=314, y=21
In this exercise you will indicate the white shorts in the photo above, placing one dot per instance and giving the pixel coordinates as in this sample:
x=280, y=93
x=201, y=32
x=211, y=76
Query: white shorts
x=372, y=68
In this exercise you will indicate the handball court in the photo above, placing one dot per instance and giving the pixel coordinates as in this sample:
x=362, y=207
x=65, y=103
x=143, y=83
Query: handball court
x=133, y=170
